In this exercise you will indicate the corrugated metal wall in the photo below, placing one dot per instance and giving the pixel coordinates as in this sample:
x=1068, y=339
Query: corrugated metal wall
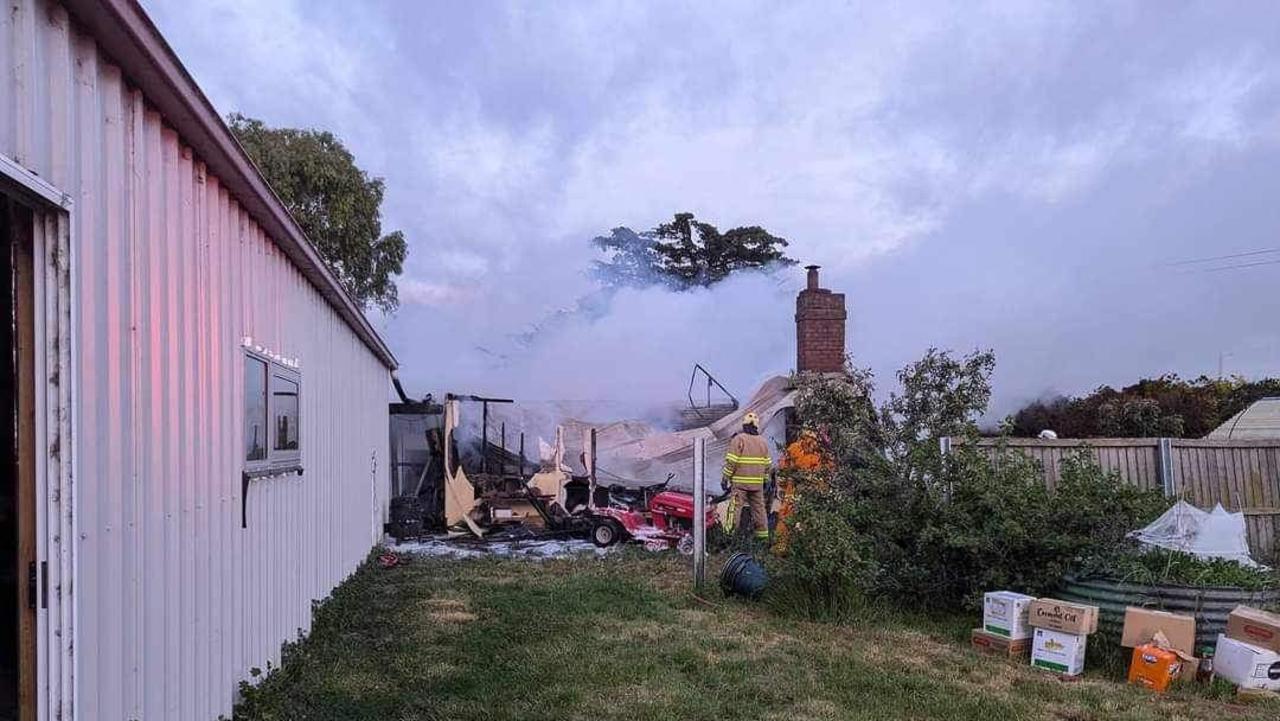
x=173, y=601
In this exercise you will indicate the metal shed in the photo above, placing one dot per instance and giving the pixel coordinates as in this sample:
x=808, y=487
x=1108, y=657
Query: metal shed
x=200, y=409
x=1261, y=420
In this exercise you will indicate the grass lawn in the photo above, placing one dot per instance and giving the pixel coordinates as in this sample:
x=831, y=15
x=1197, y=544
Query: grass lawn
x=623, y=638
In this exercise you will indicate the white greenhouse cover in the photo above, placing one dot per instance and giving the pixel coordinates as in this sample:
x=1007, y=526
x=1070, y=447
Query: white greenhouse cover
x=1204, y=534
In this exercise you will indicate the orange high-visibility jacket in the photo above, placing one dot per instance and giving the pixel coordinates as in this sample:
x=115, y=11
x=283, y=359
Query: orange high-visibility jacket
x=747, y=461
x=804, y=455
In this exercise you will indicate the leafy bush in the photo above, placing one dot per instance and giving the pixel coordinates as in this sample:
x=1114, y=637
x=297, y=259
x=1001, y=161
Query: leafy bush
x=1128, y=562
x=1000, y=527
x=905, y=522
x=829, y=564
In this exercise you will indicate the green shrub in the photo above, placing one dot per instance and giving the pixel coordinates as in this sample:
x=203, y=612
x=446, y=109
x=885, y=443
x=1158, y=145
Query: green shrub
x=829, y=564
x=1130, y=563
x=904, y=522
x=1001, y=528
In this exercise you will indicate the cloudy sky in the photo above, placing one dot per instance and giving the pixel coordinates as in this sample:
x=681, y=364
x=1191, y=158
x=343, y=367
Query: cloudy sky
x=1029, y=177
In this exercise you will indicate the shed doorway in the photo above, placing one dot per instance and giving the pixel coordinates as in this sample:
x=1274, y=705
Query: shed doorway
x=18, y=587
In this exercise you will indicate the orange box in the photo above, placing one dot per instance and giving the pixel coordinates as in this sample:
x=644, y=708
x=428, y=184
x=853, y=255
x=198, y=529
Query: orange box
x=1154, y=667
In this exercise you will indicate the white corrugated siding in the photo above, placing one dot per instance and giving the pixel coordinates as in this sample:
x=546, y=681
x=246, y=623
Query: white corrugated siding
x=173, y=601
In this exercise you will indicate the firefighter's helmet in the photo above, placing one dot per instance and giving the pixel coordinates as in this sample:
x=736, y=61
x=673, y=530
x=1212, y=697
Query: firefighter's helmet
x=751, y=419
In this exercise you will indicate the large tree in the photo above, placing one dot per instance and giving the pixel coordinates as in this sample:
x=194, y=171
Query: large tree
x=685, y=253
x=336, y=203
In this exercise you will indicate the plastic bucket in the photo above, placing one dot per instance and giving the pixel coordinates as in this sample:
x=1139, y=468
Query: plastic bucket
x=744, y=576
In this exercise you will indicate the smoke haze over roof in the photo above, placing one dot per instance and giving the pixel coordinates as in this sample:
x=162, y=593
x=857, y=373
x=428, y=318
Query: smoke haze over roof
x=1023, y=176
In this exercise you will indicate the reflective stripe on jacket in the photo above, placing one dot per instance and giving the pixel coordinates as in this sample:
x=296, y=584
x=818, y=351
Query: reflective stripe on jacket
x=747, y=461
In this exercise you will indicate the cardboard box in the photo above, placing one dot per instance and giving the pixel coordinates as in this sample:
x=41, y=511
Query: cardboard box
x=1059, y=652
x=1142, y=624
x=997, y=645
x=1155, y=668
x=1053, y=615
x=1190, y=667
x=1255, y=627
x=1004, y=613
x=1246, y=665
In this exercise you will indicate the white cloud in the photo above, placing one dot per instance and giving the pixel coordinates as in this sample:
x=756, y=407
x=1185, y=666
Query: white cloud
x=1211, y=99
x=421, y=292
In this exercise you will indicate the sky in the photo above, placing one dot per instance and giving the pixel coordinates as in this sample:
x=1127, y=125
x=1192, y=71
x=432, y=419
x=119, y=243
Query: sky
x=1046, y=180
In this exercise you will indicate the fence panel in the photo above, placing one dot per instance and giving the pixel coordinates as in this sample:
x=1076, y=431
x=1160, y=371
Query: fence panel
x=1135, y=459
x=1241, y=475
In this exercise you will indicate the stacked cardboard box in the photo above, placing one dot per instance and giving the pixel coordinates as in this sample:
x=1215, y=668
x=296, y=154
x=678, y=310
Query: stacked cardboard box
x=1248, y=654
x=1004, y=629
x=1162, y=646
x=1061, y=634
x=996, y=645
x=1004, y=614
x=1142, y=624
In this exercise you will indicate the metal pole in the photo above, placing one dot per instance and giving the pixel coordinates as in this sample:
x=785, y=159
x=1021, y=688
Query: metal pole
x=699, y=512
x=484, y=439
x=502, y=469
x=1164, y=463
x=522, y=454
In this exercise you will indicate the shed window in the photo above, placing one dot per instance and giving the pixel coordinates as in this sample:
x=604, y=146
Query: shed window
x=272, y=416
x=255, y=409
x=284, y=408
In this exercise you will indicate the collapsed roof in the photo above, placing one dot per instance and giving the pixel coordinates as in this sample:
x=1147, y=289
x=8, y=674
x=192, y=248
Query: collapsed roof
x=637, y=453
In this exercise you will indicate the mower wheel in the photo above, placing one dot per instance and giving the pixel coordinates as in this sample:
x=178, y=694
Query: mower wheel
x=605, y=533
x=685, y=545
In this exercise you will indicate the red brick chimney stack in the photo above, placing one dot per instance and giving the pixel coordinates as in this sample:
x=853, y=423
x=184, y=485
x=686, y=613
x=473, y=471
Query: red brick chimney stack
x=820, y=318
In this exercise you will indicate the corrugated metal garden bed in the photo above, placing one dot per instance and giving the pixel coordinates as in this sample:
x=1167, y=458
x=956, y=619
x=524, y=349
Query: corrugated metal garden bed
x=1209, y=604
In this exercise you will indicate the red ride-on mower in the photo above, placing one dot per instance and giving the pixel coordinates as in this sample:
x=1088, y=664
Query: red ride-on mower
x=652, y=515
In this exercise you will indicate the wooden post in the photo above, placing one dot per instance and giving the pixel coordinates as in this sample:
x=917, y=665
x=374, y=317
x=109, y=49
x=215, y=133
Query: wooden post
x=699, y=512
x=591, y=471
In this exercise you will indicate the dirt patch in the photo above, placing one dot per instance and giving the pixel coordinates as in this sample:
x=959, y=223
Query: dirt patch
x=813, y=708
x=447, y=610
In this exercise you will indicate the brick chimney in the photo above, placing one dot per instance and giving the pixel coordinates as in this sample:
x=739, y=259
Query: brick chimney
x=820, y=317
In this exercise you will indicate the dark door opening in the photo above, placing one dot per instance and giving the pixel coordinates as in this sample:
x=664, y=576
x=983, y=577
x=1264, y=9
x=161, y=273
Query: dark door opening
x=17, y=490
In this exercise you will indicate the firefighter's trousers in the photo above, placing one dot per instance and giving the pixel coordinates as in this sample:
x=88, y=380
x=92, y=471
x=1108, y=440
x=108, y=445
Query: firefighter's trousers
x=744, y=496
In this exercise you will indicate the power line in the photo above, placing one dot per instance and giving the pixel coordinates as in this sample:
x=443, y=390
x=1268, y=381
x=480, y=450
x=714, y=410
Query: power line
x=1229, y=256
x=1237, y=266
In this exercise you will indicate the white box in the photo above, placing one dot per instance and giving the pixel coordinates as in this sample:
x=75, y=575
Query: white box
x=1246, y=665
x=1057, y=651
x=1004, y=613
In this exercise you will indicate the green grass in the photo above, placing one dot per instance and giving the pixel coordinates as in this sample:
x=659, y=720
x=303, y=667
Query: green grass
x=623, y=638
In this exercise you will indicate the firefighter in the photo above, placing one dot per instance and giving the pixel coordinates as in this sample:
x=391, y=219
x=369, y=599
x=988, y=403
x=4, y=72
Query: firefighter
x=746, y=465
x=803, y=454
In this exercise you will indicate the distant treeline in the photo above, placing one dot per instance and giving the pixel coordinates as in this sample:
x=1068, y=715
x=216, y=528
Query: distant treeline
x=1167, y=406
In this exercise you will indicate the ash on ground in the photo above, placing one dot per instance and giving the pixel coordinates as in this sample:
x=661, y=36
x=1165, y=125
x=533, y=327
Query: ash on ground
x=533, y=549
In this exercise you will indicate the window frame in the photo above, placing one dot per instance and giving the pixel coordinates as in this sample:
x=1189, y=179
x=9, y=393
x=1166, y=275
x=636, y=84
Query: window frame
x=255, y=464
x=277, y=462
x=290, y=457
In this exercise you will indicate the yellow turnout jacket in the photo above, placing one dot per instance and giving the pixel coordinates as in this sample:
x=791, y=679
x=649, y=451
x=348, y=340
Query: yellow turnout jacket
x=747, y=461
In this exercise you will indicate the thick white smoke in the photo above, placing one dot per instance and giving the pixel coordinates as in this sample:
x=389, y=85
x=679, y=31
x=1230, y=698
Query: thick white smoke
x=641, y=348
